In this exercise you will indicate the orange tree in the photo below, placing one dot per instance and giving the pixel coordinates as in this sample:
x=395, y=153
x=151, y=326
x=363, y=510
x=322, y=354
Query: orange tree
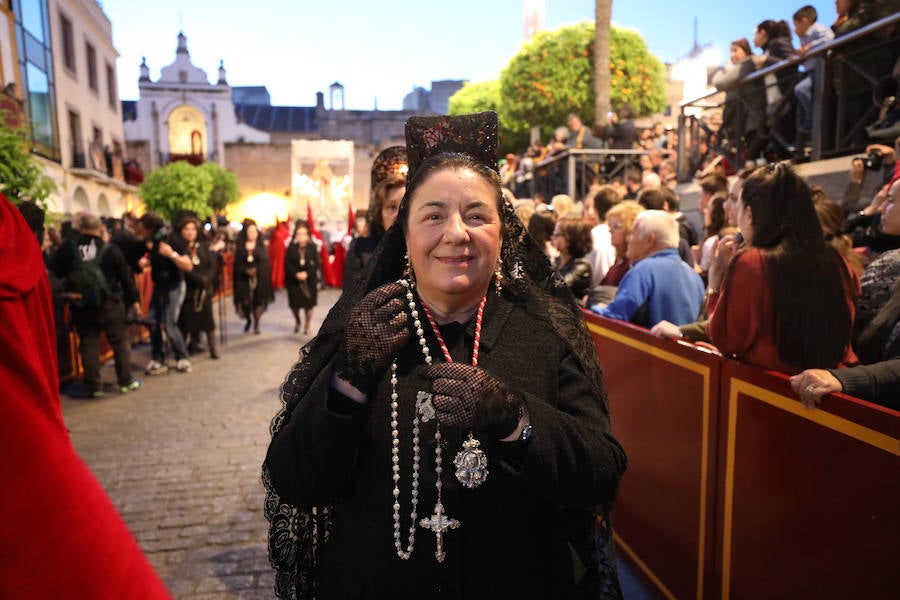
x=178, y=186
x=553, y=75
x=482, y=96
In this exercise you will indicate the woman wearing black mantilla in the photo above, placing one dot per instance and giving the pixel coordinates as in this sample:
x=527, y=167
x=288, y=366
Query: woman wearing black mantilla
x=301, y=275
x=252, y=276
x=446, y=433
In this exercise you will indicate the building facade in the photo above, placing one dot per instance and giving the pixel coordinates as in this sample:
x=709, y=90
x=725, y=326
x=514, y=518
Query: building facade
x=58, y=60
x=184, y=116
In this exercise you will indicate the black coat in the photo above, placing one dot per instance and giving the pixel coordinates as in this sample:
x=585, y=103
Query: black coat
x=252, y=291
x=358, y=255
x=577, y=273
x=196, y=312
x=119, y=279
x=512, y=538
x=302, y=294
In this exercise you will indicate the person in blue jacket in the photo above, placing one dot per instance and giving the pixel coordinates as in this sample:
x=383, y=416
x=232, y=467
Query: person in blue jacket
x=659, y=285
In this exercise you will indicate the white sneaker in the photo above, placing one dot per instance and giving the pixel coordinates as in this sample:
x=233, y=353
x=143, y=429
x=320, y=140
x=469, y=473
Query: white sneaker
x=183, y=365
x=154, y=367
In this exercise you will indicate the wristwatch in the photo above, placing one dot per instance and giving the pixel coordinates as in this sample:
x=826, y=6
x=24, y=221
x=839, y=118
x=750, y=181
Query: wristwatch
x=526, y=432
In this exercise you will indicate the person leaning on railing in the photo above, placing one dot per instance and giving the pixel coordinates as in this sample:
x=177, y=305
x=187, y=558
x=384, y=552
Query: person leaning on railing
x=737, y=121
x=879, y=383
x=787, y=300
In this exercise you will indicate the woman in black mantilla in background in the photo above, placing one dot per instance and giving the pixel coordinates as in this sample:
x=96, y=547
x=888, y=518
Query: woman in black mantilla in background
x=301, y=269
x=196, y=311
x=446, y=433
x=252, y=276
x=388, y=184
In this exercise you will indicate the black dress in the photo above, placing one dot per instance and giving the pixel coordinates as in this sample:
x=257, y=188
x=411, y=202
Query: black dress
x=301, y=294
x=251, y=291
x=513, y=539
x=358, y=255
x=196, y=312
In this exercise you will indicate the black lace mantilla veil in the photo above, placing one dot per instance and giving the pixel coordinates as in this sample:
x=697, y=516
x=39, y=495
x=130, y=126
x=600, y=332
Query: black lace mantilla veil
x=296, y=532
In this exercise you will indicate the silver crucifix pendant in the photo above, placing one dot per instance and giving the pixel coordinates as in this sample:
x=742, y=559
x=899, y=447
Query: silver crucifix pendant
x=438, y=523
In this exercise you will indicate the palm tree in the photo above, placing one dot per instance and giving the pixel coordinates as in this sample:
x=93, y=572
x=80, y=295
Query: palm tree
x=603, y=11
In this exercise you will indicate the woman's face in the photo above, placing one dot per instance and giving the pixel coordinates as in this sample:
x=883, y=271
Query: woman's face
x=842, y=7
x=744, y=221
x=617, y=233
x=760, y=38
x=731, y=202
x=737, y=54
x=890, y=211
x=301, y=236
x=252, y=233
x=707, y=215
x=559, y=240
x=189, y=232
x=453, y=235
x=391, y=206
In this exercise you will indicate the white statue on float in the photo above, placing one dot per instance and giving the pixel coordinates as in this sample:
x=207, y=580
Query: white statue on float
x=322, y=181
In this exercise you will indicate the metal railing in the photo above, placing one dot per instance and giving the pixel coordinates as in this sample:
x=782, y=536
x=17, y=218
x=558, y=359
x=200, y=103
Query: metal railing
x=573, y=170
x=842, y=103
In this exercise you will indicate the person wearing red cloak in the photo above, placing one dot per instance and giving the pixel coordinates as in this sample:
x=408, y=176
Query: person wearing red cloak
x=62, y=536
x=277, y=248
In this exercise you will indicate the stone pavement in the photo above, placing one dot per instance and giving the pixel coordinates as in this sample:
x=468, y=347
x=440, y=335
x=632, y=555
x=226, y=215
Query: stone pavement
x=181, y=457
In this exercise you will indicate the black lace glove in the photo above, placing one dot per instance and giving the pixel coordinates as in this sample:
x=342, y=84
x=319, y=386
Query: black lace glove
x=376, y=331
x=470, y=398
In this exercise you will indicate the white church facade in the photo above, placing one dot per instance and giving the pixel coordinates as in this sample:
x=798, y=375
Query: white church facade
x=183, y=116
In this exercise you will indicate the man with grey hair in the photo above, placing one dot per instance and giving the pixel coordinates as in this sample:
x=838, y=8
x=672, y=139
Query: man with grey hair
x=106, y=286
x=659, y=284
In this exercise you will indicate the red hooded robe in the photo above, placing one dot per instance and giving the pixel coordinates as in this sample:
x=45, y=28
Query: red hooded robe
x=61, y=536
x=277, y=250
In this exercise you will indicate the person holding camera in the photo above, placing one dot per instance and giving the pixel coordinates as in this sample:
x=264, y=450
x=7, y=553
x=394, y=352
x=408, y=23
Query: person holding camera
x=168, y=261
x=98, y=286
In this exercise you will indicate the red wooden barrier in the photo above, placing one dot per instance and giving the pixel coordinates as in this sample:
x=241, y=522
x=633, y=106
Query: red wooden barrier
x=734, y=490
x=808, y=499
x=662, y=397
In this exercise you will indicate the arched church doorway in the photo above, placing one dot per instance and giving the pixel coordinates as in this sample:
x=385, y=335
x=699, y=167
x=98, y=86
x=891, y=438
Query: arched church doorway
x=187, y=134
x=80, y=202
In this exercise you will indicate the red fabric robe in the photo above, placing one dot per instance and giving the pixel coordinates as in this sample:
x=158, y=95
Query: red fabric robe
x=61, y=536
x=277, y=250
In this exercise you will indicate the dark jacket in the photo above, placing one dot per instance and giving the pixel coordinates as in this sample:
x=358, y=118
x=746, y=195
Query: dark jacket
x=358, y=255
x=577, y=274
x=879, y=382
x=244, y=293
x=621, y=135
x=745, y=103
x=165, y=273
x=865, y=231
x=133, y=249
x=119, y=279
x=206, y=263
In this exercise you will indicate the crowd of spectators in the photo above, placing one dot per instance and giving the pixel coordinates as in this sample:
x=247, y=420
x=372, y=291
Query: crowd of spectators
x=770, y=117
x=776, y=260
x=185, y=264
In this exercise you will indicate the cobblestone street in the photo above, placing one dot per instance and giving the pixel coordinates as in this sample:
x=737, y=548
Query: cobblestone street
x=181, y=457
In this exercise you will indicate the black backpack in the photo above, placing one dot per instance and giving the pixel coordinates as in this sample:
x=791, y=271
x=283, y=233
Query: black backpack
x=88, y=280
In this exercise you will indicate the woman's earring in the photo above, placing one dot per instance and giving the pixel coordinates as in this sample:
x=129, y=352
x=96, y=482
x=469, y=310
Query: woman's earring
x=408, y=271
x=498, y=278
